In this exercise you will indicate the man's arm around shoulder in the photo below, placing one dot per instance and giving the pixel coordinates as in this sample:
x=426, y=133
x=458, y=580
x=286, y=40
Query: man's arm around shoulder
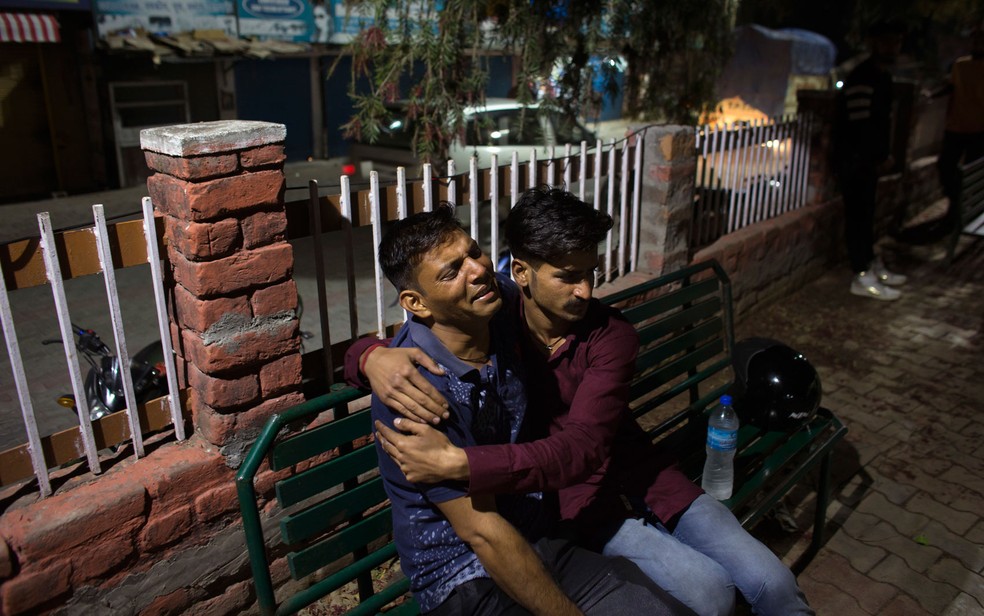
x=506, y=555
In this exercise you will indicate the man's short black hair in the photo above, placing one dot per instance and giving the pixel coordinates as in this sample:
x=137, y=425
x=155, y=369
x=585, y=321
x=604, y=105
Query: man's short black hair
x=403, y=247
x=548, y=224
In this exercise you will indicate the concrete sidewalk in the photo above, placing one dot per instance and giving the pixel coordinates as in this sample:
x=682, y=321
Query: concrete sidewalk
x=905, y=534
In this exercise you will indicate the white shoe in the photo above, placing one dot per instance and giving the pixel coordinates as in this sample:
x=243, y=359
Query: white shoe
x=866, y=284
x=886, y=277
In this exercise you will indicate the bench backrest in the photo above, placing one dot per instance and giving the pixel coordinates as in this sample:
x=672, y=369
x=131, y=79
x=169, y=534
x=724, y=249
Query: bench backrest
x=686, y=333
x=686, y=329
x=971, y=191
x=332, y=511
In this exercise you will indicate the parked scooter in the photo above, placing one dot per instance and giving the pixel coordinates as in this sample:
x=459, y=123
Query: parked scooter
x=104, y=381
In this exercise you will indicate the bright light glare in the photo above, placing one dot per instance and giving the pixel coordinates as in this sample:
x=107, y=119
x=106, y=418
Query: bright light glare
x=839, y=84
x=496, y=134
x=395, y=124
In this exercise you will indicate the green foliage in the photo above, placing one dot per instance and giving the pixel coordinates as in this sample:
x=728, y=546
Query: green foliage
x=672, y=53
x=443, y=63
x=675, y=51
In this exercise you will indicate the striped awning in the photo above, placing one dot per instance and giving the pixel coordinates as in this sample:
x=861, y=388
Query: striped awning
x=28, y=28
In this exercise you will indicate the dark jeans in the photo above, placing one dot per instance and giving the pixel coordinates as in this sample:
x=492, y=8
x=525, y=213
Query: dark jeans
x=858, y=186
x=599, y=586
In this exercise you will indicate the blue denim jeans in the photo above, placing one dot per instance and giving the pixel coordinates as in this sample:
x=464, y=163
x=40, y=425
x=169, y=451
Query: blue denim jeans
x=705, y=558
x=599, y=586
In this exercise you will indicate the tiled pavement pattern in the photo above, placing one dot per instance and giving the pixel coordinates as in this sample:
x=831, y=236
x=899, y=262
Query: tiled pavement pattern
x=905, y=534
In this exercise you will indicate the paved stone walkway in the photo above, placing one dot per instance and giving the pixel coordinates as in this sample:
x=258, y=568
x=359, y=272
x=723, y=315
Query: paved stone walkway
x=905, y=534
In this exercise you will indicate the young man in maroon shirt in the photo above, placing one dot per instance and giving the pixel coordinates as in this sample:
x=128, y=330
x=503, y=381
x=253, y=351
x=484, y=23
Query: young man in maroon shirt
x=580, y=356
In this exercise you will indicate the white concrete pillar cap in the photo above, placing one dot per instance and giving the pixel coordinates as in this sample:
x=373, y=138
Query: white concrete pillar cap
x=184, y=140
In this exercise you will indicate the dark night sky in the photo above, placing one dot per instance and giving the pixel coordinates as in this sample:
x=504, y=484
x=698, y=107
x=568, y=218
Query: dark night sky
x=933, y=39
x=831, y=18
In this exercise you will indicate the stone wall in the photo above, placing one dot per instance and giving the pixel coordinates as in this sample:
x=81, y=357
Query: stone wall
x=770, y=259
x=75, y=548
x=775, y=257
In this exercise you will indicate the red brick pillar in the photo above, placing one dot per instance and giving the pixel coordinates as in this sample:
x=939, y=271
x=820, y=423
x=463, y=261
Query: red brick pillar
x=669, y=167
x=821, y=106
x=220, y=187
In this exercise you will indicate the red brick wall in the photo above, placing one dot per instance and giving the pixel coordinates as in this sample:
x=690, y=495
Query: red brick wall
x=773, y=258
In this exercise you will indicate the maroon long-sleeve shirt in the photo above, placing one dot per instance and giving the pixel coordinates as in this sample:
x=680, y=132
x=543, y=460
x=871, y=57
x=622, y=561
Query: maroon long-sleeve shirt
x=594, y=451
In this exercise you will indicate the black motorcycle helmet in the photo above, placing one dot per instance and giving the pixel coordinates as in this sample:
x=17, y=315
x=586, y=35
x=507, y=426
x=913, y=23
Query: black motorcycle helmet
x=776, y=388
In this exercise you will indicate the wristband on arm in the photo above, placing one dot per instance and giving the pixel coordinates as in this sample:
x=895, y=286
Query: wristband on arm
x=365, y=356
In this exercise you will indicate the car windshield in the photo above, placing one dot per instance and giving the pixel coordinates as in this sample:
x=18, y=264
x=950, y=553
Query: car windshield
x=496, y=128
x=504, y=127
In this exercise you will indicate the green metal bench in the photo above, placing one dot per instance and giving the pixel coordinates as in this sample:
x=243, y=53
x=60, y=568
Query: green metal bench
x=970, y=207
x=686, y=332
x=334, y=520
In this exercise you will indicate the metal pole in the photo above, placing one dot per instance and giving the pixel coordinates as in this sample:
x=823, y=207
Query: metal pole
x=23, y=393
x=314, y=214
x=170, y=369
x=377, y=232
x=116, y=317
x=53, y=269
x=494, y=198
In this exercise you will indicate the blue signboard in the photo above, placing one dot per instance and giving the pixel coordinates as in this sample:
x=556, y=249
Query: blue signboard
x=285, y=20
x=301, y=21
x=165, y=16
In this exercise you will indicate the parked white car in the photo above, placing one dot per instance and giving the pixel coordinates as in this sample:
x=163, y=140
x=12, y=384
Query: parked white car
x=499, y=127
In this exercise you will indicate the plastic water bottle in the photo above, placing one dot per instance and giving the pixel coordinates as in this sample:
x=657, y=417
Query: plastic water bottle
x=722, y=440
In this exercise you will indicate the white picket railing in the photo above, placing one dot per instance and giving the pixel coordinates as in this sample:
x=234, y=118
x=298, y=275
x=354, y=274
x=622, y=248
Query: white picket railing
x=48, y=243
x=748, y=172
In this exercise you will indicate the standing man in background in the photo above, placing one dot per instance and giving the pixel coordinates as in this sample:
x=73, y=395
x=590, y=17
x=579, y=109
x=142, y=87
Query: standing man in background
x=963, y=138
x=862, y=147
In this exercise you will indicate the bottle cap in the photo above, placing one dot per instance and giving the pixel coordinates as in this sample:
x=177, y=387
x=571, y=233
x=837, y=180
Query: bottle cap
x=725, y=400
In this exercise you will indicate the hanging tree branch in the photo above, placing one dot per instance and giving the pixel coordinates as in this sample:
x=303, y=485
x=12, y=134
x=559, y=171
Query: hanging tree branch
x=434, y=55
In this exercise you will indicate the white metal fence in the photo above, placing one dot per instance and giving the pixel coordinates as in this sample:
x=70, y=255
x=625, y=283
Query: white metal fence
x=45, y=451
x=748, y=172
